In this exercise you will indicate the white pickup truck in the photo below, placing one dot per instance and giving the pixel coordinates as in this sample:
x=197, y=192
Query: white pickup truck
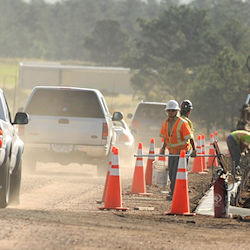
x=66, y=125
x=11, y=150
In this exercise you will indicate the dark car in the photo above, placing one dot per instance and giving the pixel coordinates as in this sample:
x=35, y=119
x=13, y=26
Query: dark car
x=147, y=121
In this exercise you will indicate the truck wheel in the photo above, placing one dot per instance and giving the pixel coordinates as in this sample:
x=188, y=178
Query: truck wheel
x=4, y=184
x=15, y=184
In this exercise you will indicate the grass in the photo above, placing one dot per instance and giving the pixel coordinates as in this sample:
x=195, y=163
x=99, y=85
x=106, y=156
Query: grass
x=123, y=103
x=8, y=74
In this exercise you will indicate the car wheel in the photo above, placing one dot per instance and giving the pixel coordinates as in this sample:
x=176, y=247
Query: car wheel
x=15, y=184
x=4, y=184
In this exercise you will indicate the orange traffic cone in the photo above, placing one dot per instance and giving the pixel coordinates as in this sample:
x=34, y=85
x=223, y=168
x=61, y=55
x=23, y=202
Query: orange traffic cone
x=149, y=168
x=198, y=162
x=216, y=136
x=203, y=147
x=113, y=198
x=180, y=202
x=212, y=160
x=138, y=185
x=107, y=175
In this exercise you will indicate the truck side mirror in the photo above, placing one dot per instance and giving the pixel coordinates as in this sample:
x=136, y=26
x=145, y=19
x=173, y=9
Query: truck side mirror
x=117, y=116
x=21, y=118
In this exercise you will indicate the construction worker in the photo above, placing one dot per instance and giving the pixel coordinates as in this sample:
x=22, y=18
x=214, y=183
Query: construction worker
x=186, y=107
x=177, y=134
x=238, y=141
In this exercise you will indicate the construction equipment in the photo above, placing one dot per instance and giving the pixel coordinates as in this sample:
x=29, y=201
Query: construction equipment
x=221, y=200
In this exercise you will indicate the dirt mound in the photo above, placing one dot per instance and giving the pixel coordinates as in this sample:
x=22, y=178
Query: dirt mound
x=198, y=184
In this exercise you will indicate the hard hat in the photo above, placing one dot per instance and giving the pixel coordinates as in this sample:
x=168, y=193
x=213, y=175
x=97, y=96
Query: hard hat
x=186, y=105
x=172, y=104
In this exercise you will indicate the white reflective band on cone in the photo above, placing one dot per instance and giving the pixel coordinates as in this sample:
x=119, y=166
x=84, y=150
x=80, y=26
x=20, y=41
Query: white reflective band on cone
x=115, y=160
x=151, y=157
x=181, y=176
x=139, y=163
x=114, y=172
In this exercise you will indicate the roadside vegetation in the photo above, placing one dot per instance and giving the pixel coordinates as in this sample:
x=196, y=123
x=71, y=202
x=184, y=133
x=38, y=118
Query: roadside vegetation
x=195, y=51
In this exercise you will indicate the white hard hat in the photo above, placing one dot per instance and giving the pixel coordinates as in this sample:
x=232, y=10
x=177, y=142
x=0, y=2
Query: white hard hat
x=172, y=104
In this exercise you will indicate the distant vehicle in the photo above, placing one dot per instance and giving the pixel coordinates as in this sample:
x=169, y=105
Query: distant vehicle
x=124, y=138
x=68, y=125
x=11, y=150
x=147, y=121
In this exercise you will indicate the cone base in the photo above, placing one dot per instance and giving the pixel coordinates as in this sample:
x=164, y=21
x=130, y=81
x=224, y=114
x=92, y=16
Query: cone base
x=113, y=208
x=205, y=172
x=146, y=194
x=183, y=214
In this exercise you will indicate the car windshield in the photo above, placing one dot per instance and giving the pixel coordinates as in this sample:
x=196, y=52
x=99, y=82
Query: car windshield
x=150, y=110
x=65, y=102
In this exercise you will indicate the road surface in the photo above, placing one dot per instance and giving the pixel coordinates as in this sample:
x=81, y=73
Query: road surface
x=58, y=210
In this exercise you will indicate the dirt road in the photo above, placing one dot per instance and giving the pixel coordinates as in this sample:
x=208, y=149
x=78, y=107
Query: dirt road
x=58, y=210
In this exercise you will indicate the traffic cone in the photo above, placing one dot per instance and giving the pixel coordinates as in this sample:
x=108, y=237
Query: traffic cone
x=138, y=185
x=212, y=160
x=113, y=199
x=203, y=146
x=198, y=162
x=107, y=175
x=180, y=202
x=216, y=136
x=149, y=168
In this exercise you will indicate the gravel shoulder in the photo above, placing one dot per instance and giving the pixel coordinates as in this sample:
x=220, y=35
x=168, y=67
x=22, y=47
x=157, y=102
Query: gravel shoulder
x=58, y=210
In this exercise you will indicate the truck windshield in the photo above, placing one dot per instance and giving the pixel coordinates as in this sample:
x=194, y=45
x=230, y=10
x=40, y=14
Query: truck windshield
x=149, y=111
x=65, y=102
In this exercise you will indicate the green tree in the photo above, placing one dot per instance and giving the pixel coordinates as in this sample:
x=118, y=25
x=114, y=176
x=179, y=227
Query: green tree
x=180, y=35
x=107, y=42
x=234, y=34
x=220, y=90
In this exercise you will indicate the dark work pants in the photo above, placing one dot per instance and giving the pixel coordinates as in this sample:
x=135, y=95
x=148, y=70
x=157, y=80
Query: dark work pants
x=172, y=168
x=234, y=149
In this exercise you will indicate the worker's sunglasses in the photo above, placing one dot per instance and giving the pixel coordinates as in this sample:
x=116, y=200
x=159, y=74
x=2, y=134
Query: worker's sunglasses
x=171, y=110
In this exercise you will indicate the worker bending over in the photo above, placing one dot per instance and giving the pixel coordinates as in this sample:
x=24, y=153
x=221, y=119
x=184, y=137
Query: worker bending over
x=238, y=141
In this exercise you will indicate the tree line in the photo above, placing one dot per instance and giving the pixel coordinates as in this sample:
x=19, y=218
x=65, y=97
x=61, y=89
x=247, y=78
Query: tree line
x=195, y=51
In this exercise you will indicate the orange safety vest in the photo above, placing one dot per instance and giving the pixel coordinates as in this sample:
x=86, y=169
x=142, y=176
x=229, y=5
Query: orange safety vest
x=179, y=137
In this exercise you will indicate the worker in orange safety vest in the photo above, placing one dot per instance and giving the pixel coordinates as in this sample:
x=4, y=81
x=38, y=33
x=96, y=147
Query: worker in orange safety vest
x=177, y=134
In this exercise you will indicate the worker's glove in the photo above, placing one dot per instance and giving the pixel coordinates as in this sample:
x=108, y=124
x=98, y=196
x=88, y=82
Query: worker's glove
x=237, y=170
x=193, y=154
x=162, y=151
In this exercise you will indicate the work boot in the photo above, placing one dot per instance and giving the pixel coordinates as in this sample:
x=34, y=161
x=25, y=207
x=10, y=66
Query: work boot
x=169, y=197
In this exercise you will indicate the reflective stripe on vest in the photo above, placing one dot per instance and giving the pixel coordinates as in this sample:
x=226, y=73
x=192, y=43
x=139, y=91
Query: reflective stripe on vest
x=178, y=135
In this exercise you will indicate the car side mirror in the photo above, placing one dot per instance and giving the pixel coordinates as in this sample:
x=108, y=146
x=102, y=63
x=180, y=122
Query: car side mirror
x=117, y=116
x=129, y=115
x=21, y=118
